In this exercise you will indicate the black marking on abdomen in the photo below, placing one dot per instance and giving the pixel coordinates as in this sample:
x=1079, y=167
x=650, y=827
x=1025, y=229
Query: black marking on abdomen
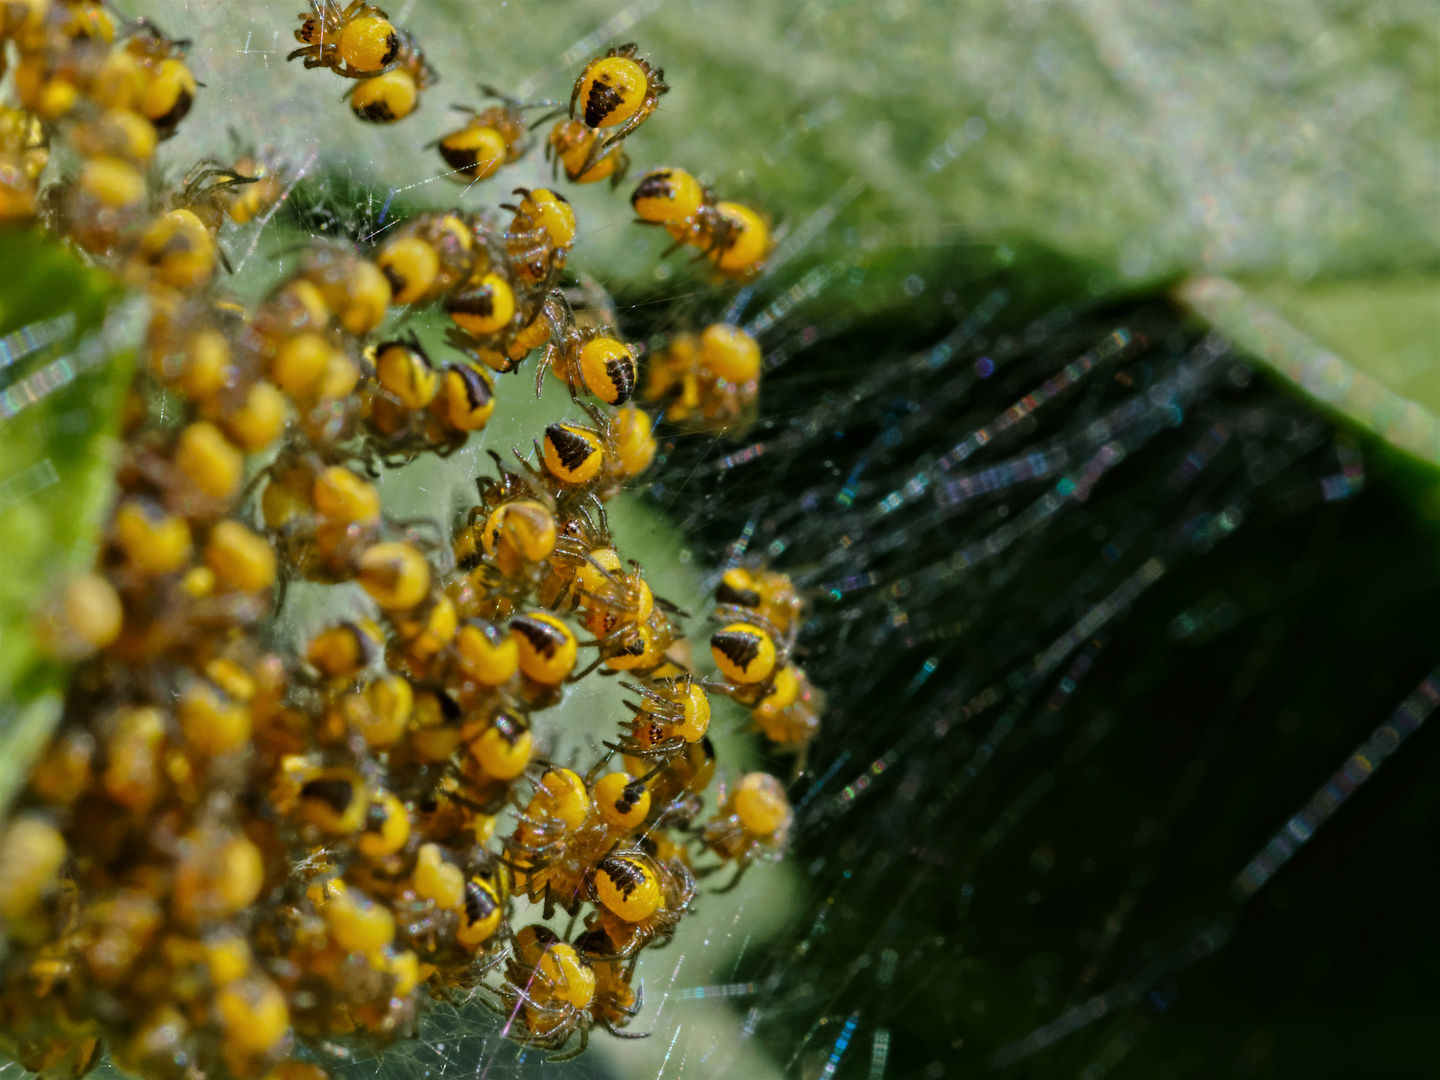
x=740, y=647
x=333, y=792
x=621, y=373
x=543, y=637
x=602, y=100
x=627, y=874
x=573, y=450
x=479, y=905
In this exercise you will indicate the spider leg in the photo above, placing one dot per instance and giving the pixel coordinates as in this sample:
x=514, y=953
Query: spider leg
x=281, y=590
x=547, y=361
x=735, y=881
x=556, y=1059
x=637, y=118
x=797, y=770
x=488, y=1005
x=593, y=665
x=676, y=246
x=621, y=171
x=613, y=1030
x=575, y=93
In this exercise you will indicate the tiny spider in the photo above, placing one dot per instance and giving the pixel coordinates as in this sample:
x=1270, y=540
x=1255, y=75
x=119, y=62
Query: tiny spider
x=357, y=42
x=751, y=823
x=548, y=991
x=588, y=356
x=749, y=650
x=639, y=899
x=571, y=145
x=395, y=93
x=540, y=235
x=494, y=136
x=616, y=89
x=672, y=713
x=616, y=1002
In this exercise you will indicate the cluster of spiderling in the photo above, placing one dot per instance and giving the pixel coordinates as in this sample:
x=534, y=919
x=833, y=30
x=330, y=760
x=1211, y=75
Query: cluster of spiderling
x=228, y=850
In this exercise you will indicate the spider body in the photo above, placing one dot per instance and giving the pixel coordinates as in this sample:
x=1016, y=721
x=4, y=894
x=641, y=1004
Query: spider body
x=639, y=899
x=709, y=381
x=355, y=290
x=751, y=823
x=519, y=535
x=343, y=651
x=485, y=308
x=617, y=1002
x=487, y=652
x=571, y=146
x=168, y=84
x=749, y=648
x=670, y=197
x=494, y=136
x=494, y=493
x=430, y=256
x=573, y=453
x=500, y=747
x=671, y=714
x=395, y=94
x=771, y=595
x=676, y=786
x=255, y=199
x=738, y=249
x=549, y=990
x=789, y=714
x=547, y=647
x=540, y=235
x=735, y=238
x=405, y=372
x=357, y=41
x=178, y=250
x=586, y=356
x=618, y=90
x=632, y=431
x=565, y=831
x=745, y=652
x=467, y=398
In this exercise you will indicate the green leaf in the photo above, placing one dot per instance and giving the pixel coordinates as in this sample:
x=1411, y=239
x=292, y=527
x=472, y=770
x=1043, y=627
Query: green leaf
x=59, y=411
